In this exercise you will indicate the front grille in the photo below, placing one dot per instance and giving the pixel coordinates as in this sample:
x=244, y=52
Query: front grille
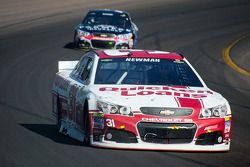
x=104, y=35
x=120, y=136
x=102, y=44
x=166, y=112
x=166, y=133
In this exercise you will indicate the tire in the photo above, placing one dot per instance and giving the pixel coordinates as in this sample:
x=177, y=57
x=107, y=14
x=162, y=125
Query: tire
x=86, y=124
x=76, y=44
x=59, y=114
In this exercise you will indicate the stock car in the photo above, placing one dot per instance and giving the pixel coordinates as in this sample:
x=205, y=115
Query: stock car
x=106, y=29
x=139, y=99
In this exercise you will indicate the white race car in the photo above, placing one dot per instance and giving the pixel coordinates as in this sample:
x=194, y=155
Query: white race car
x=139, y=99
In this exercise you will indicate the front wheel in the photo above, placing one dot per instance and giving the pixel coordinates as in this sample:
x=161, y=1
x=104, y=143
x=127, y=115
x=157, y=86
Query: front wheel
x=86, y=125
x=76, y=42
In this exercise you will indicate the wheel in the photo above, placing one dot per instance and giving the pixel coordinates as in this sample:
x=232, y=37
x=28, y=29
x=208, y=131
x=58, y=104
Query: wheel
x=59, y=113
x=86, y=124
x=76, y=43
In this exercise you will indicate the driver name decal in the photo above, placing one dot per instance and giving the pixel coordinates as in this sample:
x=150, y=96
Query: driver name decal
x=143, y=60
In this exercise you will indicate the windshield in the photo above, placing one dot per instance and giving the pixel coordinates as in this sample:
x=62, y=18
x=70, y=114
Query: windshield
x=145, y=71
x=120, y=20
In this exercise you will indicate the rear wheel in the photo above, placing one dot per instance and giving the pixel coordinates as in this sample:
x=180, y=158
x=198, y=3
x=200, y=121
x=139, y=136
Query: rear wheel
x=86, y=124
x=59, y=113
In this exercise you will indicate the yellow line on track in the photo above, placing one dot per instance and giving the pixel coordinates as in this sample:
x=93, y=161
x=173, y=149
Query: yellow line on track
x=227, y=58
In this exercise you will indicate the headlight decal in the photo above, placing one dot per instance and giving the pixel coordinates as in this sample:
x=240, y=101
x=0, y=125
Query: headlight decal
x=109, y=108
x=219, y=111
x=83, y=33
x=125, y=36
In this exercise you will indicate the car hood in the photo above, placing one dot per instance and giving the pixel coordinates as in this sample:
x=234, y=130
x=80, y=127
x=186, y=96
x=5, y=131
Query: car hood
x=158, y=96
x=104, y=29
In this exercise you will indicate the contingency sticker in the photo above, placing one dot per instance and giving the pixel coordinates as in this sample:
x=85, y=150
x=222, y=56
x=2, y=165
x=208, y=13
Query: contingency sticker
x=227, y=125
x=98, y=120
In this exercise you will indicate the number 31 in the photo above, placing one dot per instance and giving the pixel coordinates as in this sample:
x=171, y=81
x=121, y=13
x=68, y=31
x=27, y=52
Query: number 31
x=110, y=122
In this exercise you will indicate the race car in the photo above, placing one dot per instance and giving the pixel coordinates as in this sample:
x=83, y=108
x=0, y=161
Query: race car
x=139, y=99
x=106, y=29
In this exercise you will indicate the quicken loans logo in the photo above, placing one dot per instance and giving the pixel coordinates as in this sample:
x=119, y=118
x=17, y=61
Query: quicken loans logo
x=143, y=60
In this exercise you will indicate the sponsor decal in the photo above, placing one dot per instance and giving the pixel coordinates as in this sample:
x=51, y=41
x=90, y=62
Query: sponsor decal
x=163, y=90
x=167, y=112
x=98, y=120
x=227, y=126
x=98, y=115
x=62, y=84
x=143, y=60
x=107, y=14
x=176, y=120
x=109, y=28
x=211, y=127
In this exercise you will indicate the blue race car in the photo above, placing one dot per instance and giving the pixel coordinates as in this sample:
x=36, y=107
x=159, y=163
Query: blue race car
x=106, y=29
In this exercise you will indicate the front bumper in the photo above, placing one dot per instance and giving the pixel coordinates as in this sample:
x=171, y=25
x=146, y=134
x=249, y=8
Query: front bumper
x=170, y=147
x=124, y=132
x=104, y=43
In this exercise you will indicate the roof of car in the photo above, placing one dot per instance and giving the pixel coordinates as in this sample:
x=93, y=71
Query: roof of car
x=132, y=53
x=108, y=10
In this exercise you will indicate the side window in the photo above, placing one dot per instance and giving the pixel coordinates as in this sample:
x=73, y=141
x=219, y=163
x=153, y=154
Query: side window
x=79, y=67
x=83, y=68
x=87, y=69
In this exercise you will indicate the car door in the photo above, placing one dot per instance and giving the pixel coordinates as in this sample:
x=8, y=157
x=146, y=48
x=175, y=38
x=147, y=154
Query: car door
x=78, y=88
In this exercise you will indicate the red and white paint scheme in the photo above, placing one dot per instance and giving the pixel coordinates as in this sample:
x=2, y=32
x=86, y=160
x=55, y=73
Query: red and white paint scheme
x=139, y=99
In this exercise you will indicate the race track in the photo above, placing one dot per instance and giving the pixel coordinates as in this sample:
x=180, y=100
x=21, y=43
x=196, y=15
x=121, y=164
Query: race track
x=35, y=34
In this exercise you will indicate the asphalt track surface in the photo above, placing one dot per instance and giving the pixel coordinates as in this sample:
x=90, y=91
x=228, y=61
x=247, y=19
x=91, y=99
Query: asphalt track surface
x=35, y=34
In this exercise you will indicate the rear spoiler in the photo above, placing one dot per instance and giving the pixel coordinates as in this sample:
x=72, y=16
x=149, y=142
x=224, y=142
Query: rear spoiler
x=66, y=65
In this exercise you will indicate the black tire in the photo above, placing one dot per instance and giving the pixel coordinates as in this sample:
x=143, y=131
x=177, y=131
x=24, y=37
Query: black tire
x=86, y=124
x=76, y=43
x=59, y=114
